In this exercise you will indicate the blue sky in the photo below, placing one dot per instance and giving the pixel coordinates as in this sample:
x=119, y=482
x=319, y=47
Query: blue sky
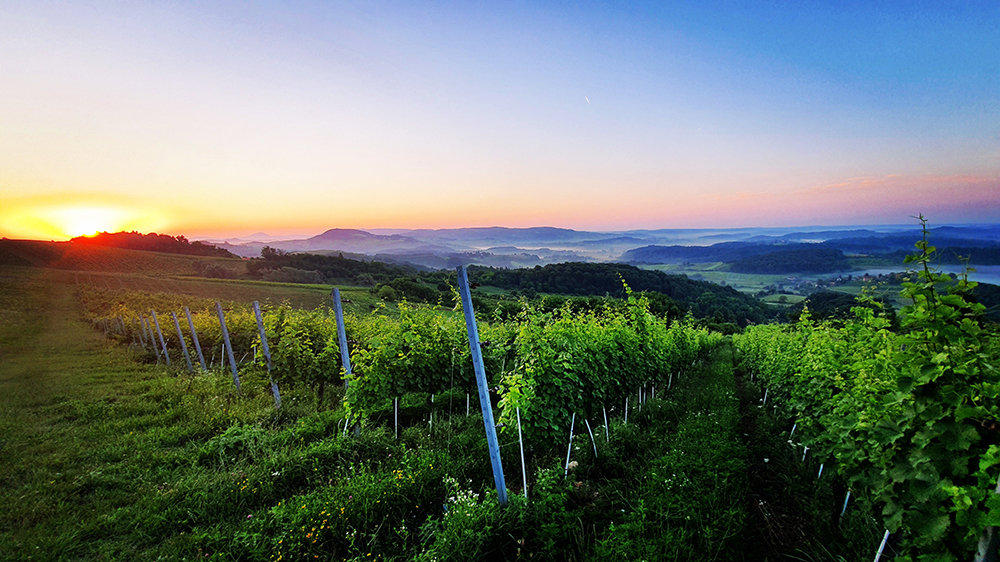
x=301, y=116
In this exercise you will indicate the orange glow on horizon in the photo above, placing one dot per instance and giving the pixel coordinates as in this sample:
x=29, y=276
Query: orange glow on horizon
x=61, y=220
x=889, y=199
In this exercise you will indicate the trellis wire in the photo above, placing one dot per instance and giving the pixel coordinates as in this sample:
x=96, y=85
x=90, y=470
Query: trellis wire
x=569, y=448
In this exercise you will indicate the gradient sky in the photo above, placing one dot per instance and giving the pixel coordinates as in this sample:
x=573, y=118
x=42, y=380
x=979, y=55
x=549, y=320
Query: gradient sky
x=294, y=117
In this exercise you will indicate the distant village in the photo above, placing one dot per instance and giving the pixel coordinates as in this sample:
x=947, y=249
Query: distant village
x=802, y=286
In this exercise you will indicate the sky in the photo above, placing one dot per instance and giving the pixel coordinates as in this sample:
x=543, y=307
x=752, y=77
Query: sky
x=228, y=118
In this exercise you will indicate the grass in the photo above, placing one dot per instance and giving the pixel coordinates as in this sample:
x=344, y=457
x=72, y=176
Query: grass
x=89, y=433
x=156, y=272
x=795, y=512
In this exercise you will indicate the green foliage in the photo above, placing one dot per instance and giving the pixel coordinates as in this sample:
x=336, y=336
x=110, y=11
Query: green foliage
x=549, y=365
x=407, y=288
x=214, y=270
x=909, y=418
x=570, y=363
x=304, y=349
x=292, y=275
x=834, y=305
x=422, y=350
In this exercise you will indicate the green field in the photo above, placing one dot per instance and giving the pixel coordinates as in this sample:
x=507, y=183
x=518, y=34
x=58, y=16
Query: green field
x=783, y=300
x=717, y=273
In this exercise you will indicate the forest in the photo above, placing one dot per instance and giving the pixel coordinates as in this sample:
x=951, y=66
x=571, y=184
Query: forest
x=702, y=298
x=797, y=260
x=328, y=268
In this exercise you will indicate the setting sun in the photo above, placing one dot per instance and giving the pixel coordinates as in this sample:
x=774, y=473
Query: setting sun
x=46, y=219
x=86, y=221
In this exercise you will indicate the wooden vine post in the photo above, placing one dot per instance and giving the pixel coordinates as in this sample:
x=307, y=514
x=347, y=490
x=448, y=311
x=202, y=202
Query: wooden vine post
x=345, y=356
x=229, y=346
x=569, y=448
x=160, y=332
x=267, y=353
x=484, y=397
x=194, y=338
x=989, y=540
x=184, y=347
x=147, y=332
x=142, y=333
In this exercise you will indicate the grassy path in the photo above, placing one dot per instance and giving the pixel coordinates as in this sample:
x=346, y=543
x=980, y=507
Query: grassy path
x=87, y=434
x=54, y=372
x=793, y=513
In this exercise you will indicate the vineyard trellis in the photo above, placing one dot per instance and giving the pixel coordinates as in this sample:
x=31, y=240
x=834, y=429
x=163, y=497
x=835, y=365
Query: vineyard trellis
x=545, y=366
x=910, y=420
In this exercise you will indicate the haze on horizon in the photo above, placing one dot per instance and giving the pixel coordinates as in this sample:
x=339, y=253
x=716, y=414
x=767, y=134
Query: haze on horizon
x=223, y=119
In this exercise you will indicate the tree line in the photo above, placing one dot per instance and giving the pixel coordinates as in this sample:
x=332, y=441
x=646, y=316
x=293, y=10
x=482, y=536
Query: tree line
x=153, y=242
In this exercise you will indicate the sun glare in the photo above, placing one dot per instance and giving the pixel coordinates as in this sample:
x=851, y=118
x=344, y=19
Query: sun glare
x=73, y=221
x=86, y=221
x=62, y=220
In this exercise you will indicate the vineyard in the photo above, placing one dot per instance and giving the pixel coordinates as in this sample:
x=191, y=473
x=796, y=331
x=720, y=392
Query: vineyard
x=221, y=473
x=622, y=435
x=550, y=365
x=909, y=420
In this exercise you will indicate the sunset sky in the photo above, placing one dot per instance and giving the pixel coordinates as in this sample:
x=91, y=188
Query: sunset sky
x=228, y=118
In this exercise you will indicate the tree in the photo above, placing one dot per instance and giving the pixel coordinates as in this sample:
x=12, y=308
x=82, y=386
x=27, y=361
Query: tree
x=269, y=253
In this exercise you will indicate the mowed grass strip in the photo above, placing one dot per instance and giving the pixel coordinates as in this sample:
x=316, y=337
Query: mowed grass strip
x=86, y=431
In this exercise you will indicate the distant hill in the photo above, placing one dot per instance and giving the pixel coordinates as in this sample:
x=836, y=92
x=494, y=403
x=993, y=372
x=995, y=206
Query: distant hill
x=796, y=260
x=721, y=252
x=828, y=235
x=903, y=242
x=340, y=235
x=499, y=246
x=794, y=257
x=520, y=236
x=989, y=296
x=952, y=255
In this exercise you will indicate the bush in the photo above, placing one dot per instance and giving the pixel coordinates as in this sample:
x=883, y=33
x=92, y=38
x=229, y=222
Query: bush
x=214, y=270
x=292, y=275
x=386, y=293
